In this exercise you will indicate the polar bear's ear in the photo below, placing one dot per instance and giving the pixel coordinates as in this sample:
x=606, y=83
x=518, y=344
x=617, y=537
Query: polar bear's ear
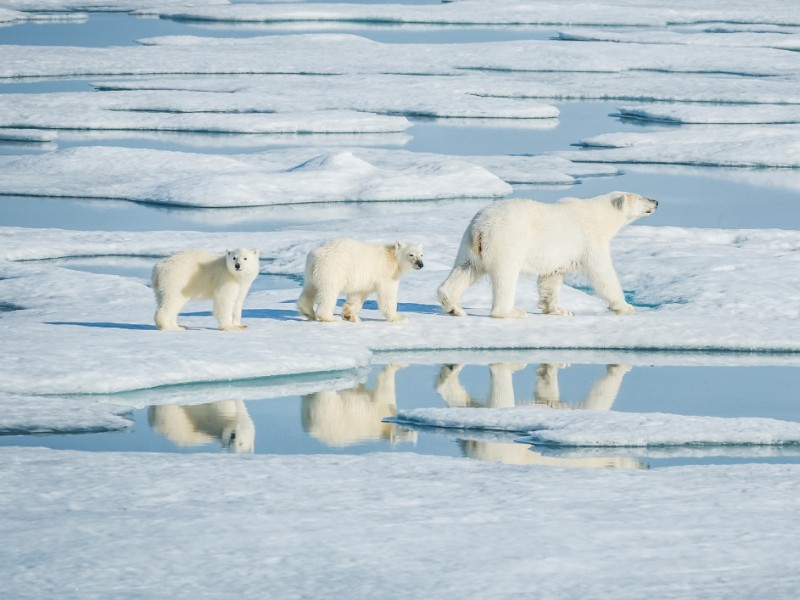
x=618, y=201
x=397, y=246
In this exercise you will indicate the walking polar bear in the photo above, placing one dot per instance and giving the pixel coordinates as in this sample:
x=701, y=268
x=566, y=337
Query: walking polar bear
x=356, y=269
x=514, y=237
x=200, y=275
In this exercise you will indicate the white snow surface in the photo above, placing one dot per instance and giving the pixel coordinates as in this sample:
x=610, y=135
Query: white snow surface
x=293, y=176
x=508, y=12
x=703, y=145
x=721, y=114
x=389, y=525
x=596, y=428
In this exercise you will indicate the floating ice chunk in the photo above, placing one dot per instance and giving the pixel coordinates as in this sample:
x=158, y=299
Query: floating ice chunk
x=26, y=135
x=743, y=39
x=487, y=12
x=707, y=145
x=608, y=428
x=727, y=114
x=126, y=112
x=22, y=414
x=176, y=178
x=345, y=54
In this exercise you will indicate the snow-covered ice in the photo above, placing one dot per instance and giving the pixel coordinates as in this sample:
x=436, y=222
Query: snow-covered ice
x=703, y=145
x=389, y=525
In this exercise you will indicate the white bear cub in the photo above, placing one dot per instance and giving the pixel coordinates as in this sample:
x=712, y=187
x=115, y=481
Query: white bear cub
x=200, y=275
x=356, y=269
x=523, y=237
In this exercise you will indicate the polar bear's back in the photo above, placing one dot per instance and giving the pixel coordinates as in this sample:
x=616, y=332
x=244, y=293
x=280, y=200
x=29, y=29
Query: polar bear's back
x=351, y=265
x=192, y=273
x=544, y=237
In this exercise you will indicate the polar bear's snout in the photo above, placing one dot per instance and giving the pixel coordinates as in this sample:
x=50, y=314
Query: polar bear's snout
x=653, y=206
x=418, y=264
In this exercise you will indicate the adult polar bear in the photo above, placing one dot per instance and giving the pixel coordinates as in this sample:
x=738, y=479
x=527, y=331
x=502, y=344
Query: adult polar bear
x=514, y=237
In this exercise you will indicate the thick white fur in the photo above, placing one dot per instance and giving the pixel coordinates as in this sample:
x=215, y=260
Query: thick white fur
x=200, y=275
x=226, y=420
x=356, y=269
x=514, y=237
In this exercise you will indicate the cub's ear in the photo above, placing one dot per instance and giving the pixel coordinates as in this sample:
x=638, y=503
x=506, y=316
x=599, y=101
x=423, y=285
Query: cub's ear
x=618, y=201
x=397, y=246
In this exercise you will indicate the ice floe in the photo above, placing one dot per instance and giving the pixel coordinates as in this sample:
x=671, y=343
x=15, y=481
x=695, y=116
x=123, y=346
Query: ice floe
x=610, y=428
x=279, y=177
x=704, y=145
x=701, y=114
x=740, y=39
x=486, y=12
x=346, y=54
x=321, y=523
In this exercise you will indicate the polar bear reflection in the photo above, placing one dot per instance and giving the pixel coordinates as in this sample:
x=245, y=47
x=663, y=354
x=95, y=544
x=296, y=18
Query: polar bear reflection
x=501, y=395
x=194, y=425
x=345, y=417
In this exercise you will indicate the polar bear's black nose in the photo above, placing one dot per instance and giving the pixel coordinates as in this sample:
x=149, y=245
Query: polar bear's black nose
x=238, y=266
x=419, y=264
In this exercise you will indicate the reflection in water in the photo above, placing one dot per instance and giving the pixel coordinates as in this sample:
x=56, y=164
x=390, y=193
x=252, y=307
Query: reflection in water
x=501, y=395
x=194, y=425
x=345, y=417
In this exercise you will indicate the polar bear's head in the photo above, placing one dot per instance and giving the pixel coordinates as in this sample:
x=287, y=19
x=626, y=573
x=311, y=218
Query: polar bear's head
x=242, y=261
x=633, y=206
x=409, y=256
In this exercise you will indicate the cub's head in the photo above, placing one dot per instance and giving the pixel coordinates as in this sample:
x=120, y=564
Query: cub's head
x=409, y=256
x=632, y=206
x=242, y=261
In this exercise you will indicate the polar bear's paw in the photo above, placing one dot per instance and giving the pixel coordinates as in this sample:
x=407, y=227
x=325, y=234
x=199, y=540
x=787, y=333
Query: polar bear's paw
x=514, y=313
x=397, y=318
x=329, y=318
x=559, y=312
x=623, y=309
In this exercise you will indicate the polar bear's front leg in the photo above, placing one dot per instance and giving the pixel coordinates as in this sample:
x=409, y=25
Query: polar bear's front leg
x=224, y=303
x=387, y=302
x=550, y=295
x=237, y=309
x=504, y=291
x=606, y=283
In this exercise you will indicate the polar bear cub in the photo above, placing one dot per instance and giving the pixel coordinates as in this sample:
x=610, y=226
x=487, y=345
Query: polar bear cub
x=514, y=237
x=200, y=275
x=356, y=269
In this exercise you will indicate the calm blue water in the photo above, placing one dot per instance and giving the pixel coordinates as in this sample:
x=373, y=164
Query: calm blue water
x=328, y=420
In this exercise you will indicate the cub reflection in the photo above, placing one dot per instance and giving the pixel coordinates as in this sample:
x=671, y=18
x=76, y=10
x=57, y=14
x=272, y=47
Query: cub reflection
x=501, y=395
x=345, y=417
x=196, y=424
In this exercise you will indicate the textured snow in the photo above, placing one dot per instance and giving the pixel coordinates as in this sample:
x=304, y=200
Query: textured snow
x=277, y=177
x=608, y=429
x=484, y=12
x=386, y=525
x=707, y=145
x=739, y=39
x=727, y=114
